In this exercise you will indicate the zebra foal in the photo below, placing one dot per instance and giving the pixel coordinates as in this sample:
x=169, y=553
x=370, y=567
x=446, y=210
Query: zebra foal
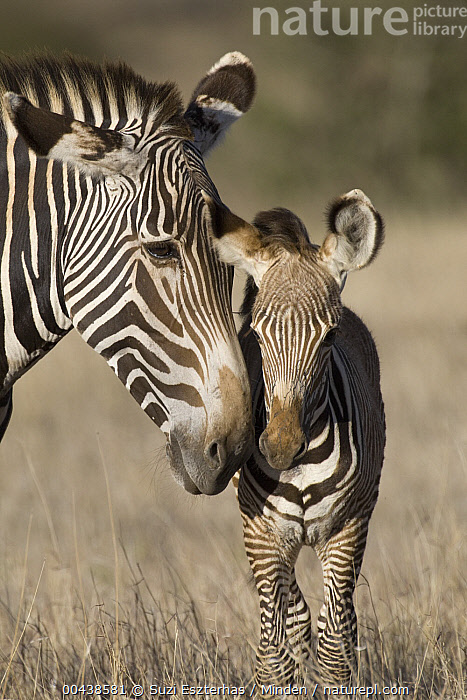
x=319, y=420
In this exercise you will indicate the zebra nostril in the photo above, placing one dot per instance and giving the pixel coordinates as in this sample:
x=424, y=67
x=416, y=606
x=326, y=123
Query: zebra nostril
x=216, y=454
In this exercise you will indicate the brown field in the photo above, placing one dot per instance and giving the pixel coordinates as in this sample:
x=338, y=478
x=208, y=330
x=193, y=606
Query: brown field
x=110, y=573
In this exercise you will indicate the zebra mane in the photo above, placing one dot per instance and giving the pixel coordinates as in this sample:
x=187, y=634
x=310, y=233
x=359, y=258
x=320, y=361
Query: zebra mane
x=99, y=94
x=280, y=230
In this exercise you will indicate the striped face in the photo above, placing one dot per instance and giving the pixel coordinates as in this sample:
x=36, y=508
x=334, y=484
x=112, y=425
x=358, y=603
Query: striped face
x=106, y=184
x=161, y=316
x=297, y=307
x=295, y=315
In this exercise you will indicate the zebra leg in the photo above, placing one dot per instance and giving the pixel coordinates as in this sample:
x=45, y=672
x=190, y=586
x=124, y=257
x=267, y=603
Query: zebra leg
x=6, y=409
x=298, y=624
x=341, y=560
x=272, y=557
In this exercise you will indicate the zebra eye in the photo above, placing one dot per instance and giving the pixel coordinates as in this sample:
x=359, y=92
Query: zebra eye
x=161, y=250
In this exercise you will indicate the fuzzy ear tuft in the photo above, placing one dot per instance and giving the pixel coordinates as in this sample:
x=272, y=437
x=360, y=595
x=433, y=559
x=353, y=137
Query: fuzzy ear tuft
x=356, y=235
x=220, y=98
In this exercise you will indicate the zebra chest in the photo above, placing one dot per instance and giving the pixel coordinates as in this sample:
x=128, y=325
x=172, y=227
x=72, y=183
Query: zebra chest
x=320, y=521
x=326, y=488
x=299, y=507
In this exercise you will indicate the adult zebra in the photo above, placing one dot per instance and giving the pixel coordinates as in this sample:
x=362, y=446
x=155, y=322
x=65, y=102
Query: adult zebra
x=320, y=425
x=103, y=226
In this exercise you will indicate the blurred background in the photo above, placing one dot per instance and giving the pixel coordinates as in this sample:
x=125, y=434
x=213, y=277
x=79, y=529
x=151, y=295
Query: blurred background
x=384, y=113
x=381, y=110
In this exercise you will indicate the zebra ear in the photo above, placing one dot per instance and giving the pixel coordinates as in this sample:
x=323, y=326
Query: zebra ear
x=236, y=241
x=55, y=136
x=356, y=235
x=220, y=98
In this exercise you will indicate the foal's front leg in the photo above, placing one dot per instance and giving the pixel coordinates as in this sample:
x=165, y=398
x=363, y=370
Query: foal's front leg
x=272, y=558
x=341, y=559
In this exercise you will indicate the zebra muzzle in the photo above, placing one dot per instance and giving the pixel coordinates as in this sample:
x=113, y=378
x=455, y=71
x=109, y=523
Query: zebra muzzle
x=283, y=442
x=282, y=451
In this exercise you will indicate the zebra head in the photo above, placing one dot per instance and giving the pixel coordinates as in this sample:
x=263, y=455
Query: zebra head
x=296, y=307
x=115, y=171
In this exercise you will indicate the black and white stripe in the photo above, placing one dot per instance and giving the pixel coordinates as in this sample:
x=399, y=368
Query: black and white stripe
x=323, y=500
x=104, y=227
x=320, y=428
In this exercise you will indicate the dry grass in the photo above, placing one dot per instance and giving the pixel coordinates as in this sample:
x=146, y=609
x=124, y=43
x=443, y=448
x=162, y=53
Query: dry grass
x=110, y=573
